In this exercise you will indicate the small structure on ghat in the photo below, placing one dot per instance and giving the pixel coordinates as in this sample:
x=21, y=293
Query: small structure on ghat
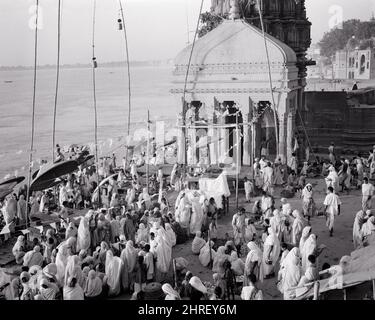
x=228, y=108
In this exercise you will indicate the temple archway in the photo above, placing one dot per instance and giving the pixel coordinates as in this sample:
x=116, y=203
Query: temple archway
x=268, y=132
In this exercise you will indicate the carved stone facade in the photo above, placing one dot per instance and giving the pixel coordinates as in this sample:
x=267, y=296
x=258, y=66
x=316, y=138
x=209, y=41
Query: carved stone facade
x=285, y=20
x=229, y=74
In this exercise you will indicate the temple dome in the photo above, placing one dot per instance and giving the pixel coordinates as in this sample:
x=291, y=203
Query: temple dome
x=235, y=42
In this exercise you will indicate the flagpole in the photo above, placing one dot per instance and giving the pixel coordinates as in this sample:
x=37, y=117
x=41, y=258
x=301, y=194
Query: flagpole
x=148, y=150
x=237, y=158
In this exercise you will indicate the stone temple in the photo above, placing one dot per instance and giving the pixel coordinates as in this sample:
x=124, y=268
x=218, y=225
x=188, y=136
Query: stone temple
x=228, y=110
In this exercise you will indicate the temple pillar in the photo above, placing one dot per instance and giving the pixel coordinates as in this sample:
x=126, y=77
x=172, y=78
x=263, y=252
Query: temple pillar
x=256, y=135
x=290, y=134
x=180, y=142
x=282, y=138
x=246, y=160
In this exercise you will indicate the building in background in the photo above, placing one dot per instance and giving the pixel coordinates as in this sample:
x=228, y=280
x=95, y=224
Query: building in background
x=354, y=64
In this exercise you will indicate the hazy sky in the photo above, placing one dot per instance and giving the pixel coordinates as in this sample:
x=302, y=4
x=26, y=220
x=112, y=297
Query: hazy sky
x=157, y=29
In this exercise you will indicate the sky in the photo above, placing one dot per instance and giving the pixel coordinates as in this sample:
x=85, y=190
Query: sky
x=157, y=29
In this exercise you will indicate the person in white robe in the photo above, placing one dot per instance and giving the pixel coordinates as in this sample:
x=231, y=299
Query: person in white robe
x=291, y=274
x=163, y=253
x=332, y=205
x=277, y=223
x=298, y=224
x=198, y=243
x=332, y=179
x=142, y=234
x=170, y=293
x=171, y=234
x=367, y=194
x=359, y=220
x=268, y=178
x=310, y=247
x=72, y=290
x=250, y=291
x=368, y=228
x=196, y=219
x=271, y=253
x=253, y=262
x=305, y=234
x=204, y=256
x=113, y=268
x=83, y=237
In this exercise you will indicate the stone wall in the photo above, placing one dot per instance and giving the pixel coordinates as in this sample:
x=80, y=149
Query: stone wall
x=327, y=117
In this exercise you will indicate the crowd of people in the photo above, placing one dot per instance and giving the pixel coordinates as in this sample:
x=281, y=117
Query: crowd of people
x=123, y=240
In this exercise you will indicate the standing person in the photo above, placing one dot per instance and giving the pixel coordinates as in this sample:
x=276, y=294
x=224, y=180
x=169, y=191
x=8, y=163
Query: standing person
x=238, y=225
x=268, y=178
x=253, y=263
x=271, y=254
x=308, y=202
x=266, y=204
x=367, y=194
x=291, y=273
x=249, y=189
x=331, y=153
x=360, y=172
x=332, y=208
x=251, y=292
x=297, y=227
x=293, y=163
x=359, y=220
x=332, y=179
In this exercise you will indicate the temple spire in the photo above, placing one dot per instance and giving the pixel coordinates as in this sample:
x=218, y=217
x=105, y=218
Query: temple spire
x=234, y=12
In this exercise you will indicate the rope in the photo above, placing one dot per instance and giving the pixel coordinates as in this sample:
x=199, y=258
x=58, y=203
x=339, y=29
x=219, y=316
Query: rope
x=33, y=111
x=307, y=136
x=57, y=79
x=269, y=74
x=129, y=78
x=94, y=94
x=188, y=69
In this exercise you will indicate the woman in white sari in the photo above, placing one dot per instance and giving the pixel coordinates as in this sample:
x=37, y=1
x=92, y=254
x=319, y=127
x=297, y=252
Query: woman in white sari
x=253, y=263
x=61, y=262
x=298, y=225
x=170, y=293
x=305, y=234
x=183, y=213
x=290, y=274
x=204, y=255
x=196, y=216
x=83, y=238
x=73, y=270
x=129, y=258
x=94, y=286
x=163, y=254
x=198, y=243
x=271, y=254
x=277, y=223
x=113, y=267
x=309, y=248
x=368, y=228
x=142, y=234
x=73, y=291
x=171, y=234
x=357, y=228
x=218, y=261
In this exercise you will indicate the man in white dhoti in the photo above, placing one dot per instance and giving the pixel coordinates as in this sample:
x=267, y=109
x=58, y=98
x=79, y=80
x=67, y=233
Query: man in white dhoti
x=292, y=163
x=238, y=224
x=367, y=194
x=268, y=178
x=332, y=208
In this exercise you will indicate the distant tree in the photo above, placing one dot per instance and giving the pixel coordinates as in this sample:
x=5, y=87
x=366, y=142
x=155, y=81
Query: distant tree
x=349, y=36
x=209, y=22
